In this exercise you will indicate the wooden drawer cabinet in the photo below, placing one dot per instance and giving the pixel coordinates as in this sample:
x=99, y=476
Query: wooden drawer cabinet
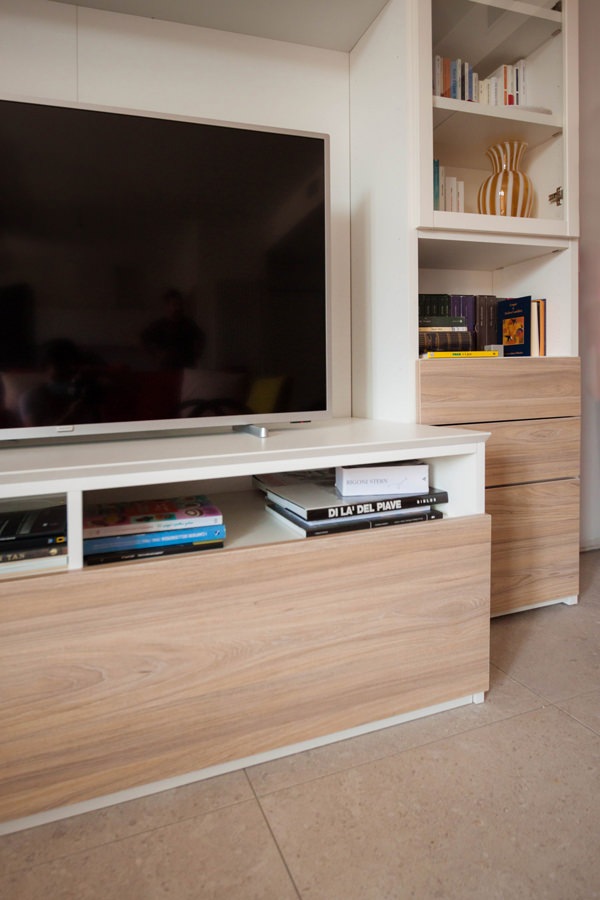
x=531, y=408
x=532, y=450
x=497, y=390
x=123, y=675
x=535, y=543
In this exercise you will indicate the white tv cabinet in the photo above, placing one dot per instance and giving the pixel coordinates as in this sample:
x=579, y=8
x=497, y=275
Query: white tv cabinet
x=124, y=677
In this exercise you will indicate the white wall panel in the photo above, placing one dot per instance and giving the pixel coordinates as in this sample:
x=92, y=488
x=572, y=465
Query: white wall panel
x=133, y=63
x=38, y=49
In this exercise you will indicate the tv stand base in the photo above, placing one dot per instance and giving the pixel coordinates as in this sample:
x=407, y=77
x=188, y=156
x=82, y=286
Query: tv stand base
x=259, y=431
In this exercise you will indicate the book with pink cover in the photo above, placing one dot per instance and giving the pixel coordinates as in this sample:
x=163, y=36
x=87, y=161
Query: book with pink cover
x=139, y=516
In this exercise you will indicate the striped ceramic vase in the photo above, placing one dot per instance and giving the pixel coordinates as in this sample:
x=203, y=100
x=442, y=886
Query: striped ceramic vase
x=507, y=191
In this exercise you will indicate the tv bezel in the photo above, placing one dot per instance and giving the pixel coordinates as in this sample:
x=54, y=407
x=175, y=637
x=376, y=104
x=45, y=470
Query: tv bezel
x=254, y=422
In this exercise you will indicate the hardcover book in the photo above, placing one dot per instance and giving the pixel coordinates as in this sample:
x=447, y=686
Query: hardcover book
x=310, y=528
x=140, y=516
x=36, y=527
x=464, y=305
x=515, y=323
x=398, y=478
x=112, y=556
x=446, y=340
x=323, y=501
x=153, y=539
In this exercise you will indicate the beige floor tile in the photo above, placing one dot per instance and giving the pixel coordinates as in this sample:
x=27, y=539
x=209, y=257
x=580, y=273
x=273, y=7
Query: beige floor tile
x=589, y=577
x=24, y=849
x=585, y=708
x=505, y=698
x=554, y=650
x=504, y=811
x=228, y=854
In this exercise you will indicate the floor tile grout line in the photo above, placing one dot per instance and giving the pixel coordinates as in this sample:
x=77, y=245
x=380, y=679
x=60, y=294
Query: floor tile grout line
x=275, y=841
x=348, y=768
x=134, y=834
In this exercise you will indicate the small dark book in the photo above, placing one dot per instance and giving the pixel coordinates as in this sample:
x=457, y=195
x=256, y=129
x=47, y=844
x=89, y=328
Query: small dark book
x=33, y=525
x=515, y=326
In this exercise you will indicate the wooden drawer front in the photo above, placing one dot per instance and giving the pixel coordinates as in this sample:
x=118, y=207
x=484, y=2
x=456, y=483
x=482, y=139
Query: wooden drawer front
x=534, y=450
x=122, y=675
x=452, y=392
x=535, y=543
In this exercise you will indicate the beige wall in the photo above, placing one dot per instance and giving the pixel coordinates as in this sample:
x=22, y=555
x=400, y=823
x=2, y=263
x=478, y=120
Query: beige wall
x=589, y=279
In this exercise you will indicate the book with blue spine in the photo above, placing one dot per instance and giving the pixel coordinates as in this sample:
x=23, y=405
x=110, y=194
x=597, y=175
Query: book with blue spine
x=153, y=539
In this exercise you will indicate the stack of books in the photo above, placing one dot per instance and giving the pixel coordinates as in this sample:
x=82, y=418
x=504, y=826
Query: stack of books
x=311, y=504
x=481, y=325
x=33, y=539
x=140, y=529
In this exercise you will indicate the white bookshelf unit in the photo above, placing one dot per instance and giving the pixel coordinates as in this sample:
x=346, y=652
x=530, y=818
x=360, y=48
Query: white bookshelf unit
x=471, y=253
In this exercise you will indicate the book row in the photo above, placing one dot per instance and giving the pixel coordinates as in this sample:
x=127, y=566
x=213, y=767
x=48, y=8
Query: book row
x=448, y=190
x=32, y=539
x=456, y=79
x=469, y=323
x=321, y=502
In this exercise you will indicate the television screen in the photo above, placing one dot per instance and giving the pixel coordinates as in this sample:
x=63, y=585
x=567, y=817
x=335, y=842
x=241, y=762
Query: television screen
x=158, y=273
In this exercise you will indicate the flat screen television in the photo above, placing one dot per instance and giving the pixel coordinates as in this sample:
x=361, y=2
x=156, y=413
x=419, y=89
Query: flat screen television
x=158, y=274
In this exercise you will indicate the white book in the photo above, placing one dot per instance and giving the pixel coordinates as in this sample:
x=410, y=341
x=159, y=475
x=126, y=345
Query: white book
x=521, y=83
x=438, y=75
x=442, y=187
x=460, y=196
x=377, y=480
x=494, y=91
x=451, y=199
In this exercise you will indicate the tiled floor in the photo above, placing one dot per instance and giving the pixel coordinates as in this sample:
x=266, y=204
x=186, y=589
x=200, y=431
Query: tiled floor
x=500, y=800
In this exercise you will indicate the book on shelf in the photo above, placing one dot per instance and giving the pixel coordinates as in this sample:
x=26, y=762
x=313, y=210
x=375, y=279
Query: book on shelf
x=519, y=326
x=378, y=479
x=273, y=480
x=135, y=516
x=460, y=195
x=451, y=197
x=34, y=527
x=448, y=322
x=486, y=329
x=16, y=553
x=460, y=354
x=464, y=305
x=434, y=328
x=153, y=539
x=318, y=527
x=321, y=500
x=434, y=305
x=112, y=556
x=446, y=340
x=541, y=311
x=436, y=184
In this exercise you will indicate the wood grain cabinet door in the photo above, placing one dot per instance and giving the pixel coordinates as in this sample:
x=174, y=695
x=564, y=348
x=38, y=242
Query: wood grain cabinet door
x=535, y=543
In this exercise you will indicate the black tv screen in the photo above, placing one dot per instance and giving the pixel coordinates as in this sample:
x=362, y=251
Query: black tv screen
x=158, y=273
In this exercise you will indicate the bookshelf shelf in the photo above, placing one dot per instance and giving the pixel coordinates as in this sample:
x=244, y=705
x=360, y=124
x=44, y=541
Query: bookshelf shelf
x=446, y=250
x=221, y=465
x=485, y=125
x=489, y=34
